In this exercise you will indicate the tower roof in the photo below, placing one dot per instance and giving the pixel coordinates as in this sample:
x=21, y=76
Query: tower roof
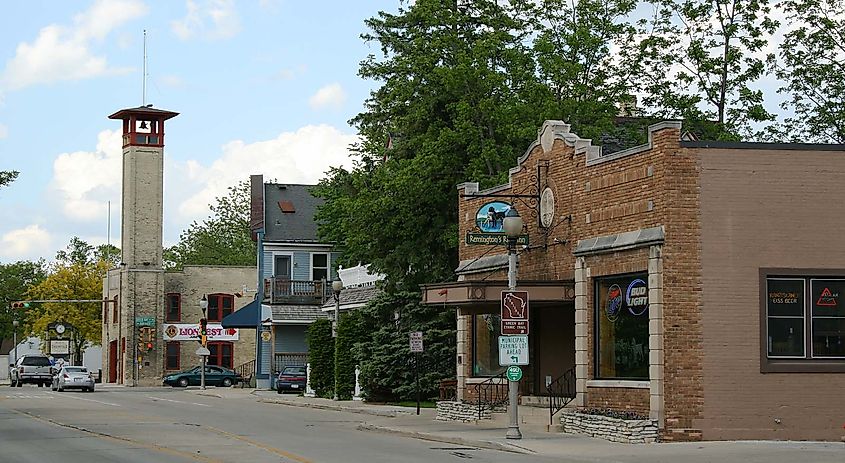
x=143, y=111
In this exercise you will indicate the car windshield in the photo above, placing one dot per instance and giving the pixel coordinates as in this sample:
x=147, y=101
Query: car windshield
x=76, y=370
x=36, y=361
x=293, y=371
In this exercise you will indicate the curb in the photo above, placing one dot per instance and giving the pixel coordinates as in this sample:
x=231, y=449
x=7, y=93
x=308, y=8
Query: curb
x=489, y=445
x=337, y=408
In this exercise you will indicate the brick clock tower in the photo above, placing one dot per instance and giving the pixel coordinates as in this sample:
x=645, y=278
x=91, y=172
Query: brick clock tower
x=141, y=282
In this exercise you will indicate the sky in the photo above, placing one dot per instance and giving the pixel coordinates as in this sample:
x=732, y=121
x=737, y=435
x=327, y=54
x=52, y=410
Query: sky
x=262, y=87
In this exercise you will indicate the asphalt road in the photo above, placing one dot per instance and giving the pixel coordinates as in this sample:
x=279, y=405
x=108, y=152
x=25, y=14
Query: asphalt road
x=170, y=425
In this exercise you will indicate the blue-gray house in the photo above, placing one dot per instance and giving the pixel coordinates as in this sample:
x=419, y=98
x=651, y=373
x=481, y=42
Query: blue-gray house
x=295, y=275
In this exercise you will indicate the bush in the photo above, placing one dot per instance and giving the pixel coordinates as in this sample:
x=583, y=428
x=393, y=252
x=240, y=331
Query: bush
x=321, y=357
x=345, y=361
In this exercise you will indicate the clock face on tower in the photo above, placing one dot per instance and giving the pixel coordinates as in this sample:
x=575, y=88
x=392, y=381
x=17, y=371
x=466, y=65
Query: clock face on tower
x=547, y=208
x=60, y=328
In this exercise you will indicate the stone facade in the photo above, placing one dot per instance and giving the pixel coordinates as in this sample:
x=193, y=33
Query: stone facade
x=612, y=429
x=461, y=411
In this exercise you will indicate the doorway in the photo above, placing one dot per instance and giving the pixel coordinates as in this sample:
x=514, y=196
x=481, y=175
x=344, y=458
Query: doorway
x=113, y=361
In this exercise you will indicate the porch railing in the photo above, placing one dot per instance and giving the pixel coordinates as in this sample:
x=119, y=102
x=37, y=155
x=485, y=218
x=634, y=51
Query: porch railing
x=561, y=392
x=287, y=291
x=286, y=359
x=246, y=371
x=493, y=392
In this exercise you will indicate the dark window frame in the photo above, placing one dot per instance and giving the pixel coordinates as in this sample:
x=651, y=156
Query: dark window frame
x=808, y=364
x=216, y=357
x=178, y=355
x=597, y=309
x=220, y=312
x=327, y=268
x=474, y=345
x=167, y=308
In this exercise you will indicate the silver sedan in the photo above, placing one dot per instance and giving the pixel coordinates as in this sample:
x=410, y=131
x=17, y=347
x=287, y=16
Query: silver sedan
x=73, y=377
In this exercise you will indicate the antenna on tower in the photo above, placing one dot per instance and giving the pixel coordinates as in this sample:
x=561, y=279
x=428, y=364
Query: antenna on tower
x=144, y=77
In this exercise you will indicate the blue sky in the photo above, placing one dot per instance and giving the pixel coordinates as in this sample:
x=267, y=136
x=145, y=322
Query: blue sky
x=263, y=86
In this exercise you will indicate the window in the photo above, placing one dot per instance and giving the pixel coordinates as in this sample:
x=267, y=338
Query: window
x=486, y=329
x=173, y=307
x=621, y=323
x=219, y=306
x=319, y=267
x=221, y=353
x=171, y=360
x=281, y=266
x=114, y=313
x=803, y=323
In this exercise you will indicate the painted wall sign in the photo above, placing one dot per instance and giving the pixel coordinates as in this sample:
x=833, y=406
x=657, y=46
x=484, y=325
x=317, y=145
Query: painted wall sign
x=491, y=216
x=191, y=332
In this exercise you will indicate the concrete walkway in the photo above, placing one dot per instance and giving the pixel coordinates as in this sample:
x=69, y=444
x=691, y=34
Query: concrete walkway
x=536, y=440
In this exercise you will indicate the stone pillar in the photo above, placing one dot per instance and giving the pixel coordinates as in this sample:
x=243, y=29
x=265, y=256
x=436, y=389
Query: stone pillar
x=582, y=275
x=655, y=334
x=464, y=355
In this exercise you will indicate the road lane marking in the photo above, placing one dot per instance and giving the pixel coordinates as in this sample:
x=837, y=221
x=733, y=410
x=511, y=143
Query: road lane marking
x=87, y=400
x=177, y=401
x=124, y=440
x=277, y=451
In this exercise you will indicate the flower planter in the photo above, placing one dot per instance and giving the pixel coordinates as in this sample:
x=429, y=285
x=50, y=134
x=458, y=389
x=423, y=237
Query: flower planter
x=612, y=429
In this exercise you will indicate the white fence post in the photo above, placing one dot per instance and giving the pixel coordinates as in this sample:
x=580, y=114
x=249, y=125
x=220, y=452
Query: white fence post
x=308, y=391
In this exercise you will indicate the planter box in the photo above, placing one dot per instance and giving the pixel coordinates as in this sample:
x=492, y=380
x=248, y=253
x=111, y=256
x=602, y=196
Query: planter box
x=612, y=429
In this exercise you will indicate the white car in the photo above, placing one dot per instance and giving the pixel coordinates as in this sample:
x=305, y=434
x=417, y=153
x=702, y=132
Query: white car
x=73, y=377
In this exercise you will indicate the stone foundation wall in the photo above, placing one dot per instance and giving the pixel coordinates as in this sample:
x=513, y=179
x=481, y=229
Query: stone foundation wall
x=612, y=429
x=460, y=411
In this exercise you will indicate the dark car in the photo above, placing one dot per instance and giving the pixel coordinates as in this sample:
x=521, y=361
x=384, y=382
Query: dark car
x=291, y=379
x=214, y=376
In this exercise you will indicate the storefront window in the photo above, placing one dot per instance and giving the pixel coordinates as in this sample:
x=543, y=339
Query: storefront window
x=785, y=317
x=622, y=327
x=486, y=329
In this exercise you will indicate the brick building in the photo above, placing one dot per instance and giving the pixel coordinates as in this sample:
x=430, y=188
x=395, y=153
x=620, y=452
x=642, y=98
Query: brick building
x=148, y=331
x=697, y=283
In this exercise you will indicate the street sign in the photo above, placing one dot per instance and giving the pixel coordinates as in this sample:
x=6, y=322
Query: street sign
x=513, y=350
x=145, y=321
x=493, y=239
x=514, y=312
x=514, y=373
x=416, y=338
x=59, y=347
x=203, y=352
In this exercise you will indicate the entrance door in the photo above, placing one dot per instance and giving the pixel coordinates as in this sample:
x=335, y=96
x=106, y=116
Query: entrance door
x=554, y=330
x=113, y=361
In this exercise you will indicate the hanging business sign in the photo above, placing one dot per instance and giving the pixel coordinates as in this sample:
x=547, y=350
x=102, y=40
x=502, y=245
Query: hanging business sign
x=493, y=239
x=191, y=332
x=490, y=217
x=514, y=312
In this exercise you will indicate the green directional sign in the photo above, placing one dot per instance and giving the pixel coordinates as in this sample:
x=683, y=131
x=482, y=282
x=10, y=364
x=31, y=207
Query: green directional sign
x=145, y=321
x=514, y=373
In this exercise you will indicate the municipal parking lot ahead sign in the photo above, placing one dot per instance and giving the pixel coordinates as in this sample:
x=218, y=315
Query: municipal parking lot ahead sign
x=513, y=350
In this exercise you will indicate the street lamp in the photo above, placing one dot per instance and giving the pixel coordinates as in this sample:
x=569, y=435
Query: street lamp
x=15, y=324
x=204, y=307
x=337, y=287
x=512, y=225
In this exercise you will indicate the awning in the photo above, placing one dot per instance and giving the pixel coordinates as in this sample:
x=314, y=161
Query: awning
x=245, y=317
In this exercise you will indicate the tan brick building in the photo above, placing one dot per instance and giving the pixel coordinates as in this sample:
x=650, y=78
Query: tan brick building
x=697, y=283
x=148, y=329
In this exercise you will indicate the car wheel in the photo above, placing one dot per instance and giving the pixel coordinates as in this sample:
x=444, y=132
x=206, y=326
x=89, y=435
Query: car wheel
x=60, y=389
x=278, y=390
x=13, y=383
x=52, y=386
x=40, y=384
x=227, y=382
x=183, y=382
x=19, y=383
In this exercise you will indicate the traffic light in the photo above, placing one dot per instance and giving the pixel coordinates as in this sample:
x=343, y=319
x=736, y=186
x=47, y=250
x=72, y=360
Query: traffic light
x=146, y=339
x=20, y=305
x=203, y=332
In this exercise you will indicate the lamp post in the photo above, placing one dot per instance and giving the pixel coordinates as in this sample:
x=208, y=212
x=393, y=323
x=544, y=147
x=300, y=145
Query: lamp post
x=204, y=307
x=337, y=287
x=15, y=324
x=512, y=225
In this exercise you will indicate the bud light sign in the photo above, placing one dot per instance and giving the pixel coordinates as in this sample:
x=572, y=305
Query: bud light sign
x=636, y=297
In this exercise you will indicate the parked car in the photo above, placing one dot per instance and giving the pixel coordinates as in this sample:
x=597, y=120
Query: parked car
x=32, y=369
x=214, y=376
x=73, y=377
x=291, y=378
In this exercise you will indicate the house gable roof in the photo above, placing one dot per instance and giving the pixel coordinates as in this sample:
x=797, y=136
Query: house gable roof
x=289, y=213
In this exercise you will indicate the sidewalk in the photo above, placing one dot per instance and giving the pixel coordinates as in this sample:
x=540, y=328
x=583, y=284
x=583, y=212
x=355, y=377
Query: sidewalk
x=403, y=421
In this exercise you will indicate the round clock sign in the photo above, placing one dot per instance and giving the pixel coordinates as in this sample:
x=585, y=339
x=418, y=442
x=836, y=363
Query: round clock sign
x=60, y=328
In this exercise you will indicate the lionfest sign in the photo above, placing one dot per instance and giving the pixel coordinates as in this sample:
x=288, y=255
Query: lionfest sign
x=191, y=332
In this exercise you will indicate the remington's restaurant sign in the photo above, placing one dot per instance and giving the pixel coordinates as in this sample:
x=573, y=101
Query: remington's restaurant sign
x=191, y=332
x=495, y=239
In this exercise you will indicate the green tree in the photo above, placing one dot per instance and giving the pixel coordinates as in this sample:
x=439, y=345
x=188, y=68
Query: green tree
x=15, y=280
x=76, y=274
x=222, y=239
x=458, y=98
x=345, y=361
x=701, y=59
x=7, y=177
x=321, y=356
x=812, y=63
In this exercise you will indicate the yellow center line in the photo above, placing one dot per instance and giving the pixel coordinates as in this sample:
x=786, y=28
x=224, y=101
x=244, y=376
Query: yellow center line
x=277, y=451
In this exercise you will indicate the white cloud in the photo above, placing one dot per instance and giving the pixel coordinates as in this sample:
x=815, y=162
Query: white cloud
x=293, y=157
x=331, y=95
x=86, y=181
x=4, y=131
x=25, y=243
x=172, y=81
x=212, y=19
x=63, y=53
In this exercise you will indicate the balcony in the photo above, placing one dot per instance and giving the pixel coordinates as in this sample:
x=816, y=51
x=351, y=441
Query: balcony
x=301, y=292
